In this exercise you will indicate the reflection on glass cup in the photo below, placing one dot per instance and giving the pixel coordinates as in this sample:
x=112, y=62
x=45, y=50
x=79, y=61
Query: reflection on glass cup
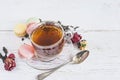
x=48, y=40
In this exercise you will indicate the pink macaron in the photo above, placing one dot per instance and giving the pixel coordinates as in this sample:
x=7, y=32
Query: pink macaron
x=31, y=27
x=26, y=51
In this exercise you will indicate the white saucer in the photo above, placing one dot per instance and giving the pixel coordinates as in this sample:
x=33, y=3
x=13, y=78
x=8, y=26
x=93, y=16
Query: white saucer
x=63, y=57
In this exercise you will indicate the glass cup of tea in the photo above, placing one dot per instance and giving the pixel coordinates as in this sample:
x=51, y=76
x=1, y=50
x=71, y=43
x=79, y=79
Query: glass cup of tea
x=48, y=40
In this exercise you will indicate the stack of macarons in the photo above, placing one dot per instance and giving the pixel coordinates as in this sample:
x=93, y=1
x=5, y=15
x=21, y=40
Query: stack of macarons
x=22, y=29
x=26, y=51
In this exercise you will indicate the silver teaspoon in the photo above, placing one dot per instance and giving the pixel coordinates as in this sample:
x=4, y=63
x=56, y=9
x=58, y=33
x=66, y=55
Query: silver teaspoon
x=78, y=58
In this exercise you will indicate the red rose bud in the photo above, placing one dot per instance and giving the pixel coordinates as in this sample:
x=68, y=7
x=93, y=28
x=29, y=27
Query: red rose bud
x=76, y=37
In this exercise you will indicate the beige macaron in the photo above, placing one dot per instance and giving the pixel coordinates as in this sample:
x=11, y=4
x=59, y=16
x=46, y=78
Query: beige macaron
x=20, y=29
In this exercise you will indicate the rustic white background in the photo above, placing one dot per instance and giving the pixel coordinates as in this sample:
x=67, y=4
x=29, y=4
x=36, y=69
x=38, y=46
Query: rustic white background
x=89, y=14
x=99, y=22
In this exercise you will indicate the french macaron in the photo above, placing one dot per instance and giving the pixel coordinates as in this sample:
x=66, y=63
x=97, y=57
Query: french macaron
x=20, y=29
x=31, y=27
x=26, y=51
x=33, y=20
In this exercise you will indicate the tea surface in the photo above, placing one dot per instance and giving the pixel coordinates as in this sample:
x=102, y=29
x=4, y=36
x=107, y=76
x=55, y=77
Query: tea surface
x=46, y=35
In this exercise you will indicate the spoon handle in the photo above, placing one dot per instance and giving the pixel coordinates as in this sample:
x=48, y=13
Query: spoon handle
x=44, y=75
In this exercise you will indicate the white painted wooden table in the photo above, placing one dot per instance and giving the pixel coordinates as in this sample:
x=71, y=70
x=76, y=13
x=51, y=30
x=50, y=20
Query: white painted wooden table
x=99, y=22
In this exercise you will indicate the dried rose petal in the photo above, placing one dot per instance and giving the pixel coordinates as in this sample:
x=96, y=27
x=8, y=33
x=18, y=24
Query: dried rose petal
x=11, y=56
x=76, y=37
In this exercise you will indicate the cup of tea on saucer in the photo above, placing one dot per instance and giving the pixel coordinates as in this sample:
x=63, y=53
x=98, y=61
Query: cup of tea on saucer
x=47, y=40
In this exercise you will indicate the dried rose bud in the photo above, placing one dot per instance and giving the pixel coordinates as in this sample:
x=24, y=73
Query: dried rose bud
x=9, y=64
x=83, y=44
x=76, y=38
x=9, y=61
